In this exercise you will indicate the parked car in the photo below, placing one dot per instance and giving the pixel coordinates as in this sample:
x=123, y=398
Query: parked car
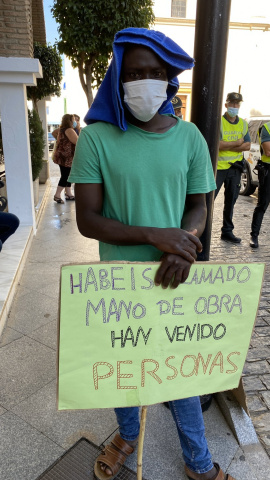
x=51, y=141
x=249, y=178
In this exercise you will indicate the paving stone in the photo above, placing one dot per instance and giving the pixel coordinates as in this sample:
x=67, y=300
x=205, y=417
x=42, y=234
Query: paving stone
x=255, y=404
x=266, y=380
x=262, y=331
x=2, y=410
x=47, y=334
x=241, y=468
x=253, y=383
x=25, y=367
x=65, y=427
x=255, y=354
x=266, y=398
x=25, y=453
x=265, y=439
x=263, y=304
x=257, y=460
x=260, y=341
x=9, y=335
x=262, y=422
x=260, y=321
x=34, y=277
x=256, y=368
x=25, y=317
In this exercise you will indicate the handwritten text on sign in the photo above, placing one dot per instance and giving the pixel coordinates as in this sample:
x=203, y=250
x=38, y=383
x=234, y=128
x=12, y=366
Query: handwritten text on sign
x=125, y=342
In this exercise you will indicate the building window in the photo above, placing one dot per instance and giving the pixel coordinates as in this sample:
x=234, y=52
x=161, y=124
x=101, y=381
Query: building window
x=179, y=8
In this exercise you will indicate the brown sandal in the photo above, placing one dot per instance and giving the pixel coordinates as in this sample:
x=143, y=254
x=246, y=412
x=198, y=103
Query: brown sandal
x=113, y=456
x=219, y=476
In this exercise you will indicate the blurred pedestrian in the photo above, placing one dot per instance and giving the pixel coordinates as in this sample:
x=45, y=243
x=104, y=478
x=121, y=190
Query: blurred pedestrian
x=263, y=168
x=177, y=106
x=63, y=156
x=234, y=140
x=78, y=126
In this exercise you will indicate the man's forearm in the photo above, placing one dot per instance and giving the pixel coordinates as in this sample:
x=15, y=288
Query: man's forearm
x=195, y=219
x=172, y=240
x=231, y=145
x=243, y=148
x=112, y=231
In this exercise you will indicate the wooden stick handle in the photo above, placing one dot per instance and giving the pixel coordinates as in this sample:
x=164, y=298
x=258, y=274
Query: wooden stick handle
x=140, y=443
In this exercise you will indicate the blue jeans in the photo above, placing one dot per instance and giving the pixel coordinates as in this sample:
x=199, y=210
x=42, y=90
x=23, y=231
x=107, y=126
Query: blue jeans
x=8, y=225
x=187, y=414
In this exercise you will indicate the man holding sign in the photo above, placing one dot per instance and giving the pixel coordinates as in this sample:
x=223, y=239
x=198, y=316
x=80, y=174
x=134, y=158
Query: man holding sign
x=141, y=177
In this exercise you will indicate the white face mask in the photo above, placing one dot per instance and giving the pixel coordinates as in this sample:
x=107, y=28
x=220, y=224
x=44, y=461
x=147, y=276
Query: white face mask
x=143, y=98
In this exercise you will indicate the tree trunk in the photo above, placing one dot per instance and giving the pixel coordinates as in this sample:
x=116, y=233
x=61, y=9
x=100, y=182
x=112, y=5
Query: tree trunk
x=81, y=75
x=34, y=102
x=85, y=68
x=88, y=72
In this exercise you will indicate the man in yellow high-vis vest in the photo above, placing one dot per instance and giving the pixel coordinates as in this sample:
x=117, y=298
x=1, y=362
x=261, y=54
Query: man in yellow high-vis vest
x=234, y=140
x=263, y=168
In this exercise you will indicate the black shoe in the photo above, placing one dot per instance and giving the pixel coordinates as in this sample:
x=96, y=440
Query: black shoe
x=206, y=401
x=230, y=237
x=254, y=242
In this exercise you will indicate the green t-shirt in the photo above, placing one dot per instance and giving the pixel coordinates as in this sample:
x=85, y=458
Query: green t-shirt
x=146, y=177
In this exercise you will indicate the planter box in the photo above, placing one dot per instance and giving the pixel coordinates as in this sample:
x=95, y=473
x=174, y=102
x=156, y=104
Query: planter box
x=45, y=172
x=36, y=191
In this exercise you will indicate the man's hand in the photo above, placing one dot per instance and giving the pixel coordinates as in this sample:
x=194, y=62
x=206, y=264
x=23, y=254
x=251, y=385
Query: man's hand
x=245, y=146
x=172, y=271
x=178, y=242
x=239, y=142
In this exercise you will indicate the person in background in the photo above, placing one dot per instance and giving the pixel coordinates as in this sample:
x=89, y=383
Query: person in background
x=263, y=168
x=132, y=161
x=8, y=225
x=177, y=106
x=63, y=156
x=78, y=127
x=234, y=140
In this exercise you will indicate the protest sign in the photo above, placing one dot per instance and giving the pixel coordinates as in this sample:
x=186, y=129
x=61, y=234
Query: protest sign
x=124, y=341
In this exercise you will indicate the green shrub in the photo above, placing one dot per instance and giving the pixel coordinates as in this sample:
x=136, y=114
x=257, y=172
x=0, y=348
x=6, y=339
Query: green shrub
x=37, y=144
x=50, y=83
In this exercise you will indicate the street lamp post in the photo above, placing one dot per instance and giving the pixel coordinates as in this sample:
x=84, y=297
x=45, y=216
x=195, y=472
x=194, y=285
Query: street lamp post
x=210, y=48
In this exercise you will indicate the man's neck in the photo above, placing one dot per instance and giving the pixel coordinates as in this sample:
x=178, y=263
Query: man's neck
x=158, y=124
x=230, y=119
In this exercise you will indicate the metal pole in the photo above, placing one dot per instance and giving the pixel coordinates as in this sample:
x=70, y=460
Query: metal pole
x=211, y=38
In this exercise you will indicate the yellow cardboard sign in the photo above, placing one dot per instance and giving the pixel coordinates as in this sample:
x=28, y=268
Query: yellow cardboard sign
x=124, y=341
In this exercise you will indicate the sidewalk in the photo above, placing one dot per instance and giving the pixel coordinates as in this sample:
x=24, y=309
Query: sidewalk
x=33, y=435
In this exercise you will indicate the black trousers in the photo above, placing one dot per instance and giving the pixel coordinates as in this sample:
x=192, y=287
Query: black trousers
x=65, y=171
x=263, y=199
x=231, y=180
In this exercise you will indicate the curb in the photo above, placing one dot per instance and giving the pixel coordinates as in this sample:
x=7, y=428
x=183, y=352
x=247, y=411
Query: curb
x=237, y=419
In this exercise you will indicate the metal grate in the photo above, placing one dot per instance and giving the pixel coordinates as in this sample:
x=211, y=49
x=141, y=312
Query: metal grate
x=78, y=464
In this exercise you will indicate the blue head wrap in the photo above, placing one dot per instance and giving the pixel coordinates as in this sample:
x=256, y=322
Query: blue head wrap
x=107, y=105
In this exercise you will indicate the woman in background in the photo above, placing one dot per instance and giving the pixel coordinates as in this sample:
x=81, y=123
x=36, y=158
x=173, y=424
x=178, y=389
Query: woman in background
x=63, y=155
